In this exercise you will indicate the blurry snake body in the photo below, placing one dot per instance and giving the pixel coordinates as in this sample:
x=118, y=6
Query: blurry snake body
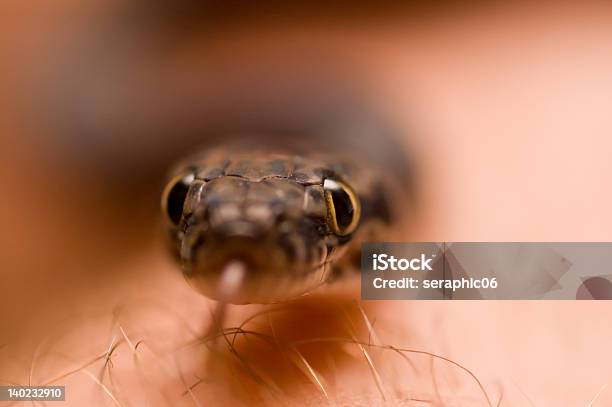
x=252, y=225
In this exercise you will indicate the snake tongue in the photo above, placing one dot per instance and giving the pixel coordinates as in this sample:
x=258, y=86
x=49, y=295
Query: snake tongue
x=231, y=278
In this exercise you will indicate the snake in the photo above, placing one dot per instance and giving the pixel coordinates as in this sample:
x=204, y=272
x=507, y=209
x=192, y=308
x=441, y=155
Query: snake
x=249, y=224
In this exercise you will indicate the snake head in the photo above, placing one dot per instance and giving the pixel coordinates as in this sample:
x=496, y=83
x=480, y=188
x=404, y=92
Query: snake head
x=257, y=239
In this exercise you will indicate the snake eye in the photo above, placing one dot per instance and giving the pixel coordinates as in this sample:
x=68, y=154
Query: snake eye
x=343, y=208
x=174, y=195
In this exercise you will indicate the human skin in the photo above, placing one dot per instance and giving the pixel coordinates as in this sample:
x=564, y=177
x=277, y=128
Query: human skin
x=508, y=114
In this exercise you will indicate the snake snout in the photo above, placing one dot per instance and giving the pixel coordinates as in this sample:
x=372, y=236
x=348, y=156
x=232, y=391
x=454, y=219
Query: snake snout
x=234, y=260
x=242, y=262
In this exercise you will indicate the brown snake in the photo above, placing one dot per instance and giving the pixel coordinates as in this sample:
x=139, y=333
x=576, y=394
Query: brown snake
x=252, y=226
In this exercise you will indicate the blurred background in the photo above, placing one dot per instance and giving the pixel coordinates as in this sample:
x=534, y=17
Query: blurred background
x=504, y=109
